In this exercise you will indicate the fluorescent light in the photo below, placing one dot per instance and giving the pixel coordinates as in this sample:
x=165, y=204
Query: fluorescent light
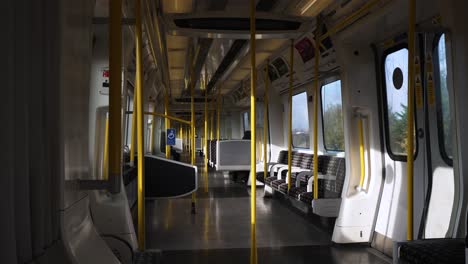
x=307, y=6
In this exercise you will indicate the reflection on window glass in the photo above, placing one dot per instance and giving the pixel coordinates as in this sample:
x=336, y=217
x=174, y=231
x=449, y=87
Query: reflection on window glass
x=281, y=66
x=396, y=83
x=332, y=116
x=246, y=119
x=272, y=73
x=300, y=121
x=445, y=125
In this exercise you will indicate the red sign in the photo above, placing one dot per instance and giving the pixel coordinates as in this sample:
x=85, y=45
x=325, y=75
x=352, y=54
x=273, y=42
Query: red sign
x=305, y=49
x=105, y=73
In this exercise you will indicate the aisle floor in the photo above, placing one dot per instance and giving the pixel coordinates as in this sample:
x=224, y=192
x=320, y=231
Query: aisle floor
x=219, y=232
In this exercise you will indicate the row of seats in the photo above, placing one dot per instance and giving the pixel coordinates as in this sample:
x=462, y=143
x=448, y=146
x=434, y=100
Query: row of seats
x=211, y=152
x=331, y=176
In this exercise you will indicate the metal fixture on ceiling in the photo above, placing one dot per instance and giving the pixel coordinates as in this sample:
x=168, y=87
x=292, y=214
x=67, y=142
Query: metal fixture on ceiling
x=237, y=47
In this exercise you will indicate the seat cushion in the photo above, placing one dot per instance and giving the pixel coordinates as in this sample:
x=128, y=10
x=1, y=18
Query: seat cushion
x=303, y=179
x=268, y=180
x=275, y=184
x=433, y=251
x=294, y=192
x=283, y=188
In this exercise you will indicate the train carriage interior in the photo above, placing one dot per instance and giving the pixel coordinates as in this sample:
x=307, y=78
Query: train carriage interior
x=234, y=131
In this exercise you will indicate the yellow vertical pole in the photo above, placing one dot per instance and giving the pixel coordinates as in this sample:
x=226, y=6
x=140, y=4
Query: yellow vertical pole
x=253, y=136
x=140, y=132
x=205, y=142
x=410, y=131
x=115, y=94
x=291, y=72
x=218, y=115
x=265, y=122
x=192, y=126
x=316, y=96
x=361, y=152
x=212, y=125
x=105, y=159
x=132, y=144
x=167, y=122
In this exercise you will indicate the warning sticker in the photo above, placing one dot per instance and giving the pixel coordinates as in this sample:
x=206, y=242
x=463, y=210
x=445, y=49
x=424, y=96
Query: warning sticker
x=419, y=91
x=430, y=88
x=417, y=66
x=418, y=82
x=430, y=79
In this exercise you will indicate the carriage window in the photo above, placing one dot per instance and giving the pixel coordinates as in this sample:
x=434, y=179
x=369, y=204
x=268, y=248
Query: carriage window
x=300, y=121
x=396, y=85
x=332, y=117
x=443, y=105
x=246, y=121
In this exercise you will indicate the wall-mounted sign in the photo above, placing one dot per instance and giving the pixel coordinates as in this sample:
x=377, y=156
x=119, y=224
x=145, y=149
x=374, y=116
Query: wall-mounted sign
x=171, y=137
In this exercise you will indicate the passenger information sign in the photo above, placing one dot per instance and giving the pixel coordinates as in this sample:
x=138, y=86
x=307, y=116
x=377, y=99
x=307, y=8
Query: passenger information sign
x=171, y=136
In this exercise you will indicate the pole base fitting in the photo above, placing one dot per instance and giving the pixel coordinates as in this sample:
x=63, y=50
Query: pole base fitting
x=193, y=211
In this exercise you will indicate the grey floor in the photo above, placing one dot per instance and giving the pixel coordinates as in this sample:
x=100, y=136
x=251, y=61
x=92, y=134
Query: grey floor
x=220, y=230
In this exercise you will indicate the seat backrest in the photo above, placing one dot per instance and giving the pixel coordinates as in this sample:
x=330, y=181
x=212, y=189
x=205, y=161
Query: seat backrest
x=296, y=159
x=213, y=151
x=283, y=157
x=336, y=167
x=323, y=161
x=307, y=161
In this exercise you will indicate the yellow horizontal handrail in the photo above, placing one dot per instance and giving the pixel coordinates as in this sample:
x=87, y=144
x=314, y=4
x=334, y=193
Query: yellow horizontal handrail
x=165, y=116
x=349, y=19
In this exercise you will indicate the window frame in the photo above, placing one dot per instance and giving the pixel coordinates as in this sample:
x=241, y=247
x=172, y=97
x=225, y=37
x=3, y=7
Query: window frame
x=393, y=156
x=329, y=81
x=438, y=102
x=308, y=121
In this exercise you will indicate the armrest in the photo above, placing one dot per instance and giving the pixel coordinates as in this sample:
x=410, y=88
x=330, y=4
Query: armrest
x=298, y=170
x=301, y=174
x=280, y=172
x=310, y=184
x=327, y=177
x=285, y=168
x=275, y=167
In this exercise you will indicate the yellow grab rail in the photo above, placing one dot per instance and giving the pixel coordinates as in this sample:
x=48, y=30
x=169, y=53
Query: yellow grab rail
x=211, y=125
x=291, y=72
x=349, y=19
x=168, y=117
x=253, y=137
x=361, y=152
x=410, y=130
x=140, y=132
x=316, y=95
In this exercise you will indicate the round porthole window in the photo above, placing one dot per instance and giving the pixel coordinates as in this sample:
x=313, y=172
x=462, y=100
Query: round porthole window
x=397, y=78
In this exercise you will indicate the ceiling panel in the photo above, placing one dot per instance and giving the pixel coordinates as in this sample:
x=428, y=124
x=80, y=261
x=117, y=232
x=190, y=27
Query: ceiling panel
x=177, y=74
x=176, y=42
x=176, y=59
x=177, y=6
